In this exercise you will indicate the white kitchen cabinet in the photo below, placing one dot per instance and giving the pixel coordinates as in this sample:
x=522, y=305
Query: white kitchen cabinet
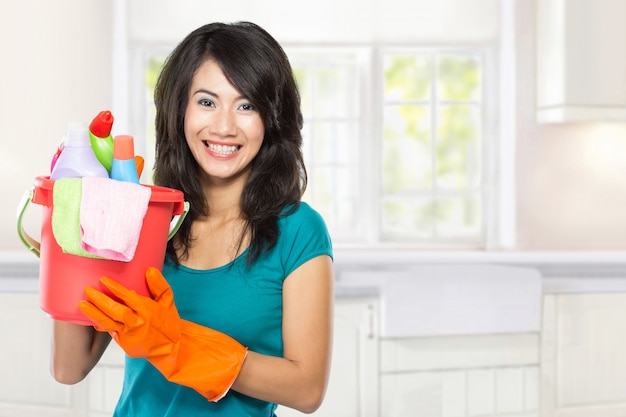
x=460, y=376
x=581, y=60
x=32, y=392
x=28, y=390
x=353, y=385
x=583, y=365
x=26, y=387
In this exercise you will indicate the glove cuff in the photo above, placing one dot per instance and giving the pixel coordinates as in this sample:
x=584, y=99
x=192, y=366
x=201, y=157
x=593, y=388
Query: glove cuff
x=205, y=360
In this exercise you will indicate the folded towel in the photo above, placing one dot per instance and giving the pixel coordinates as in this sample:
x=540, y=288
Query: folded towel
x=111, y=217
x=66, y=197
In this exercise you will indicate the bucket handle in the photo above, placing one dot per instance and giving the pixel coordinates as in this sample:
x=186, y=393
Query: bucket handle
x=34, y=246
x=178, y=220
x=30, y=243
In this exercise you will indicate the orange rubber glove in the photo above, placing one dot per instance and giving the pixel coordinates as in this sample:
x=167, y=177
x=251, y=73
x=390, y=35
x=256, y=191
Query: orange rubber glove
x=184, y=352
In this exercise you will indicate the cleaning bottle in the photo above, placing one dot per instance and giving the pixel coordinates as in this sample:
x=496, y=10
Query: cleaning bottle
x=101, y=139
x=123, y=167
x=77, y=159
x=56, y=155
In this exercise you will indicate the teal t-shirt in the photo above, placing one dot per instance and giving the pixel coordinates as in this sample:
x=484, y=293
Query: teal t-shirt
x=245, y=303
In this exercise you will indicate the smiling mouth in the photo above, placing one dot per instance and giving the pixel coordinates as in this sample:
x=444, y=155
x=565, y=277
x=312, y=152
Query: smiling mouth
x=221, y=149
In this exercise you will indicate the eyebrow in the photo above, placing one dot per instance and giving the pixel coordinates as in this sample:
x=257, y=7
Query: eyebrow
x=202, y=90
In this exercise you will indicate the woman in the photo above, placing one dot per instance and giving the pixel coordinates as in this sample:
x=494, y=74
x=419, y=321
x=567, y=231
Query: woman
x=250, y=321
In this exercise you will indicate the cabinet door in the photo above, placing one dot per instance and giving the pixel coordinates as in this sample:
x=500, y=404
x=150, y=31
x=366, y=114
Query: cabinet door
x=581, y=60
x=26, y=388
x=353, y=385
x=583, y=363
x=460, y=376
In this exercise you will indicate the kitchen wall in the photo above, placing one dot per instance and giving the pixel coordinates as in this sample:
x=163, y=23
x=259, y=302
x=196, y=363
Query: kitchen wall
x=58, y=66
x=571, y=178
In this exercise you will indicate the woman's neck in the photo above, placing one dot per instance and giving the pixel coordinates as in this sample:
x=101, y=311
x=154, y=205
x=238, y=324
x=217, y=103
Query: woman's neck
x=224, y=198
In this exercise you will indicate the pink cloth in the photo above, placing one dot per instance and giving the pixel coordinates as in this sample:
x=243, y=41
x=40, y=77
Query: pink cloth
x=111, y=217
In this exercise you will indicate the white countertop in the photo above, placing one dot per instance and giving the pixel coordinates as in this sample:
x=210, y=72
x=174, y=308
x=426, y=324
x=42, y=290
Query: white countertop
x=562, y=271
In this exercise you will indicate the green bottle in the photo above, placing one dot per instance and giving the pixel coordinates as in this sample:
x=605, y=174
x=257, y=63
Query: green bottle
x=101, y=139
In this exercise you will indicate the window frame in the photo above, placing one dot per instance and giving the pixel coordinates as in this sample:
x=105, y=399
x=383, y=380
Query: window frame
x=484, y=53
x=370, y=133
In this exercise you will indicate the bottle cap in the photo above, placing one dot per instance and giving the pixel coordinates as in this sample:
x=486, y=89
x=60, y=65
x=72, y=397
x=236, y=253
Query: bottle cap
x=123, y=147
x=102, y=124
x=77, y=135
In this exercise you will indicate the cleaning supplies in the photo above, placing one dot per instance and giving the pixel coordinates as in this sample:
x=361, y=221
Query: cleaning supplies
x=77, y=159
x=108, y=228
x=139, y=161
x=56, y=155
x=101, y=139
x=65, y=219
x=123, y=167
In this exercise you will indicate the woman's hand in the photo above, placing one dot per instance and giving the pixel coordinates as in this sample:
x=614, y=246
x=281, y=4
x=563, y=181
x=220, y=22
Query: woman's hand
x=184, y=352
x=142, y=326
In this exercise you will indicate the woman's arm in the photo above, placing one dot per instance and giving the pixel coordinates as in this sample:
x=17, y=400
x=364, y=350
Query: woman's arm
x=76, y=350
x=299, y=379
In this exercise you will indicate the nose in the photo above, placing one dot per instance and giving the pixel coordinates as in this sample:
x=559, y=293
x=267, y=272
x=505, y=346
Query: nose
x=223, y=123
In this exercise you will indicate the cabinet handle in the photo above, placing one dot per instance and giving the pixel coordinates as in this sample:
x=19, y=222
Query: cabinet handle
x=371, y=322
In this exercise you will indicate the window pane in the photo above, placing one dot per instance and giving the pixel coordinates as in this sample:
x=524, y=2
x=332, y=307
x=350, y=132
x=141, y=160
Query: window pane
x=333, y=193
x=331, y=108
x=432, y=219
x=409, y=219
x=327, y=83
x=432, y=148
x=153, y=68
x=459, y=78
x=407, y=77
x=335, y=87
x=334, y=142
x=306, y=88
x=458, y=147
x=407, y=149
x=459, y=217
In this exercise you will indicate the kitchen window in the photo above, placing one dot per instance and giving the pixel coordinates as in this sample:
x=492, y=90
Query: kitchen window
x=432, y=188
x=396, y=143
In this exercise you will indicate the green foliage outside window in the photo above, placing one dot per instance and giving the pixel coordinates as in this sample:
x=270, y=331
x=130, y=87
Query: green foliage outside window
x=432, y=146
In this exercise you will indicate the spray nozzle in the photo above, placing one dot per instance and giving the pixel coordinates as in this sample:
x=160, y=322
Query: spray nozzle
x=102, y=124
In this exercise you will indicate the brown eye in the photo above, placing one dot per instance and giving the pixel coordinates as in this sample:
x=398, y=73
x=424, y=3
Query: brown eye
x=247, y=107
x=206, y=103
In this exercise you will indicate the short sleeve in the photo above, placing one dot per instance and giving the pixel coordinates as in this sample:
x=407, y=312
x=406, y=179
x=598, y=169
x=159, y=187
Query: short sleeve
x=303, y=236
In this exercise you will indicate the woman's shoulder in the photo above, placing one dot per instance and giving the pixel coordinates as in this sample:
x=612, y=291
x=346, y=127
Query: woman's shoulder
x=303, y=223
x=303, y=235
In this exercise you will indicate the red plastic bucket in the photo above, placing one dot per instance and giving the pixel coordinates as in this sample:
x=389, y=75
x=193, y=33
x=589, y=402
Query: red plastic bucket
x=63, y=277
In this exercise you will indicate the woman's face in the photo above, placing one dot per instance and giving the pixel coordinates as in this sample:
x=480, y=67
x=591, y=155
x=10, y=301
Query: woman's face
x=224, y=131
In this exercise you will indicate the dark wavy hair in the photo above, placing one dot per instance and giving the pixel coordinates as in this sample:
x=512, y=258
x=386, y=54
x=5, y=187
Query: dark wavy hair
x=256, y=65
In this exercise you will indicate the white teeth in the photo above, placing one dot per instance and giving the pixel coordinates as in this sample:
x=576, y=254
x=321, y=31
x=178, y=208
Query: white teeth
x=222, y=149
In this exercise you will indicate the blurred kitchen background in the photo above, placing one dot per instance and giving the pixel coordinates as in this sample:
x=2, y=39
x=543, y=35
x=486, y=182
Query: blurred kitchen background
x=468, y=157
